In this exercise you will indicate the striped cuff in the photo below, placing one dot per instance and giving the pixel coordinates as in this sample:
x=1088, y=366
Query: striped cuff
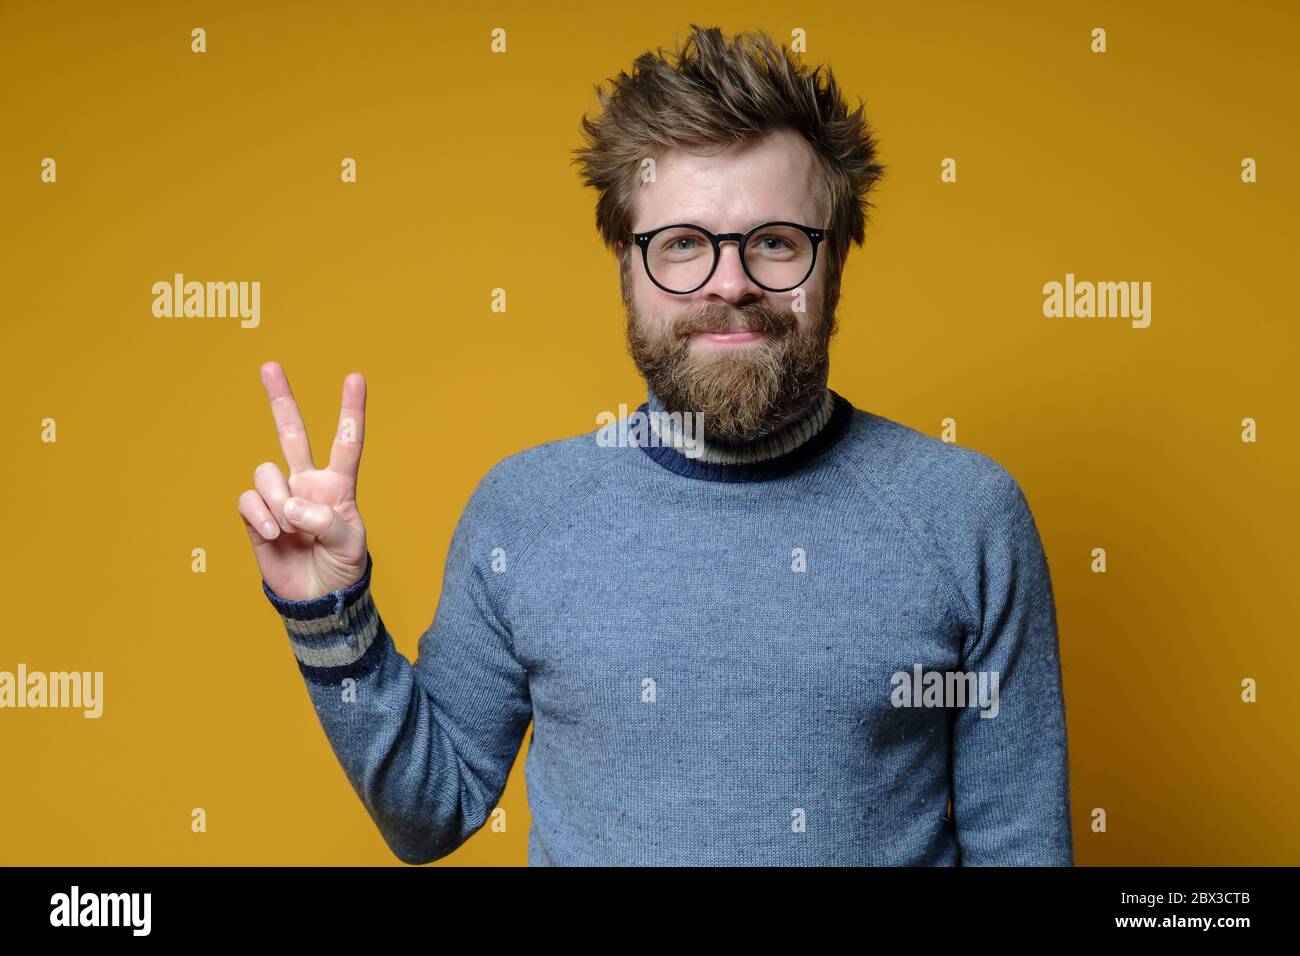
x=333, y=630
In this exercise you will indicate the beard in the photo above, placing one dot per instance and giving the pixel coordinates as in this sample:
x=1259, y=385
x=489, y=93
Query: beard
x=742, y=392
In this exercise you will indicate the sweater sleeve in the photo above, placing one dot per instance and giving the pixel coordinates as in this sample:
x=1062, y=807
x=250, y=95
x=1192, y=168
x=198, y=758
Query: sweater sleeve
x=426, y=746
x=1011, y=793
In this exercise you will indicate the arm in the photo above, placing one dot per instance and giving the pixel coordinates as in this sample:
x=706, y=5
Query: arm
x=1011, y=794
x=427, y=747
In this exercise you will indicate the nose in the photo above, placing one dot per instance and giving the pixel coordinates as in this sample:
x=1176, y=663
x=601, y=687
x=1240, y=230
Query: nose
x=729, y=281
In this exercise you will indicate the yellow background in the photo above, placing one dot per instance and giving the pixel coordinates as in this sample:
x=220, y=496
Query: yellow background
x=225, y=166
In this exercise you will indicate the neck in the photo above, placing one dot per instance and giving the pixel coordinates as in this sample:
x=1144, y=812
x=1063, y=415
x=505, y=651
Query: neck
x=676, y=442
x=797, y=430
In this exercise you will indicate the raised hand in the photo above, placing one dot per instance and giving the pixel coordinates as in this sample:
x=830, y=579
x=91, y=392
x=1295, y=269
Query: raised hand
x=307, y=534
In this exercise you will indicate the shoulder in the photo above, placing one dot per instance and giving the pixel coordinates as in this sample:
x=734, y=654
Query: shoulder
x=549, y=469
x=918, y=471
x=530, y=488
x=961, y=506
x=941, y=482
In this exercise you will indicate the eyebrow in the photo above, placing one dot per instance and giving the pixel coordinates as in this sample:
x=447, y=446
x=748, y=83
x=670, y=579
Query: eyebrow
x=757, y=222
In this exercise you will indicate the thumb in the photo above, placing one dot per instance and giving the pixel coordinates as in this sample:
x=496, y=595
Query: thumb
x=320, y=520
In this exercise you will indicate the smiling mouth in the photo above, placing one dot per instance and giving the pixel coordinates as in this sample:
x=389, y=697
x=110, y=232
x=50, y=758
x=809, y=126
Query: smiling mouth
x=738, y=337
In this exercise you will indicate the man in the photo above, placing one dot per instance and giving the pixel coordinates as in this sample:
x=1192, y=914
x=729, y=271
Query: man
x=771, y=628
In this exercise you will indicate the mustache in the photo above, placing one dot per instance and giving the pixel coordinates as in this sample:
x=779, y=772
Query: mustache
x=750, y=318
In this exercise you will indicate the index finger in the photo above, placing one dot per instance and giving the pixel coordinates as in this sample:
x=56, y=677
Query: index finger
x=288, y=420
x=345, y=453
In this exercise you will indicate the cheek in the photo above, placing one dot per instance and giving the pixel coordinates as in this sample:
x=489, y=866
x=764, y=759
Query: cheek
x=820, y=276
x=817, y=286
x=653, y=305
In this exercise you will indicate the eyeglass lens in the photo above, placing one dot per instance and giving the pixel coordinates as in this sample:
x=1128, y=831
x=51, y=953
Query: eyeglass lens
x=778, y=257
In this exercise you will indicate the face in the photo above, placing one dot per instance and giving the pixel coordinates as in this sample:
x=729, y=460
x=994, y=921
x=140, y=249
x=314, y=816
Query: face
x=744, y=358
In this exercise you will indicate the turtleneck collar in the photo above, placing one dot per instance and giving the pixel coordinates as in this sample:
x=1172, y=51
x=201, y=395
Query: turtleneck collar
x=679, y=447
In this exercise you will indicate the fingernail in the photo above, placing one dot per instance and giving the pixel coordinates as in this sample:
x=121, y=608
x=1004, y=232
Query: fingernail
x=293, y=508
x=269, y=529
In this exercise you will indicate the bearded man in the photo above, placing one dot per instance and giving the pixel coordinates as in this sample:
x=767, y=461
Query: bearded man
x=805, y=635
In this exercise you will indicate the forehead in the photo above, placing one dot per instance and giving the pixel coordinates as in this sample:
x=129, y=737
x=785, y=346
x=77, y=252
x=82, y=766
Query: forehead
x=734, y=188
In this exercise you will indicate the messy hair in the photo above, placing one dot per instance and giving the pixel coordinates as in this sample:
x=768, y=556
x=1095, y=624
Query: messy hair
x=717, y=92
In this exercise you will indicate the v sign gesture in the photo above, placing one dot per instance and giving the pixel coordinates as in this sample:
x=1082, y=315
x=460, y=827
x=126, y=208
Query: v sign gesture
x=307, y=534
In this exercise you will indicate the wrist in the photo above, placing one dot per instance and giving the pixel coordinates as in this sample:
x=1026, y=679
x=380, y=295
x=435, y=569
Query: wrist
x=334, y=629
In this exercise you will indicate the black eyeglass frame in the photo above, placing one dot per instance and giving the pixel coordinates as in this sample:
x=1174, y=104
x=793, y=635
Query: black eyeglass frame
x=742, y=238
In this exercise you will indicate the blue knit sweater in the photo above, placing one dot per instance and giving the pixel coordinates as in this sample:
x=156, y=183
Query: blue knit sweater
x=724, y=662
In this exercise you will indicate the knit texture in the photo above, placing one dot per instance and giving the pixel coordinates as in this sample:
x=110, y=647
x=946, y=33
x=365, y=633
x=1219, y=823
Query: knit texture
x=710, y=661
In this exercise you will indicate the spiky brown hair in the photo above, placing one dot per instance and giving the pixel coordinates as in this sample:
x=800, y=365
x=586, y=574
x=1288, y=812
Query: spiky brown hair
x=712, y=91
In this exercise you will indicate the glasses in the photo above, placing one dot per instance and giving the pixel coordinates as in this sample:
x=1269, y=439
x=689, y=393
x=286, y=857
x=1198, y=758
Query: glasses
x=778, y=256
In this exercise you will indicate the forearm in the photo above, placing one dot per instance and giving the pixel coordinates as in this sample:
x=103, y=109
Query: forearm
x=383, y=727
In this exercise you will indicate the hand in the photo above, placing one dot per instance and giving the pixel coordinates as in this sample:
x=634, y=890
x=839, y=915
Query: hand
x=307, y=534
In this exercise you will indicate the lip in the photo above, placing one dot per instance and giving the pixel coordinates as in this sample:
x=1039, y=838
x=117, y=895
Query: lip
x=730, y=338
